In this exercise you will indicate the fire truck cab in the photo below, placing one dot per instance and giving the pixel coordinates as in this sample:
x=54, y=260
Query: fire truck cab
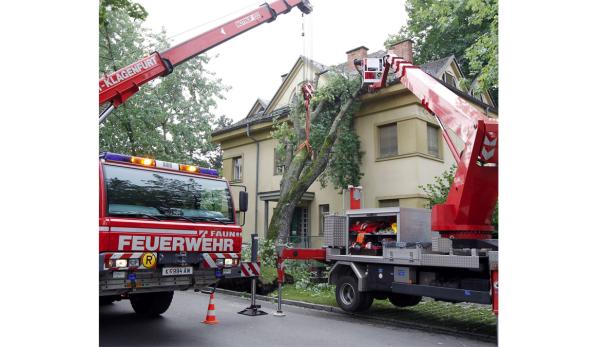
x=163, y=227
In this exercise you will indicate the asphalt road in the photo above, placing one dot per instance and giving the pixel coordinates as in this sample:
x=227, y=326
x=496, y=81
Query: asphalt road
x=181, y=326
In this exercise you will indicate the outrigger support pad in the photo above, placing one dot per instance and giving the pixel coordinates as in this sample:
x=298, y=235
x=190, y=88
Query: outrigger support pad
x=253, y=309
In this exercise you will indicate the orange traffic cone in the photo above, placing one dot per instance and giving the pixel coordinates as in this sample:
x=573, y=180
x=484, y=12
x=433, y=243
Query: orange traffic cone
x=210, y=317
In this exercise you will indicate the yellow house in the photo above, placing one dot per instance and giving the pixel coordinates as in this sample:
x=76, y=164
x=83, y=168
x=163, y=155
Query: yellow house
x=402, y=145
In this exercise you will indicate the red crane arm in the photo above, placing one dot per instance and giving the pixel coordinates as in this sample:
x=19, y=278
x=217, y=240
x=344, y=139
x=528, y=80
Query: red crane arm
x=473, y=195
x=118, y=86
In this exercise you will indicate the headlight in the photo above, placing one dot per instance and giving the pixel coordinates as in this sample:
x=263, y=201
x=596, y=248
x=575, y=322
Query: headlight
x=133, y=262
x=220, y=262
x=228, y=262
x=121, y=263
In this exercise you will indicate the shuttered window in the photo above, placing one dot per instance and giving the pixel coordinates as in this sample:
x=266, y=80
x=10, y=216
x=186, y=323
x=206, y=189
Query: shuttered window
x=433, y=141
x=388, y=140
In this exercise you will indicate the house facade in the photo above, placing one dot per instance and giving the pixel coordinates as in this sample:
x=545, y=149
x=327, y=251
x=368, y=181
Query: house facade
x=402, y=146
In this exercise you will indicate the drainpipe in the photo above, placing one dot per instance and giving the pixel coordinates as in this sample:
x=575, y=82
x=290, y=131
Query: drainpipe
x=257, y=178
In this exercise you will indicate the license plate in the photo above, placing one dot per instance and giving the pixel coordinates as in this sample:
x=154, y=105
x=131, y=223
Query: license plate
x=226, y=271
x=177, y=271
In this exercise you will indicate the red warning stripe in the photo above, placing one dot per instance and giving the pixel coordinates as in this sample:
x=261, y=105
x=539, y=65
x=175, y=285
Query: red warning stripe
x=250, y=269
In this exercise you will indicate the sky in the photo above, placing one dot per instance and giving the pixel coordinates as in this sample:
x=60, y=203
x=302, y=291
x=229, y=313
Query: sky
x=253, y=62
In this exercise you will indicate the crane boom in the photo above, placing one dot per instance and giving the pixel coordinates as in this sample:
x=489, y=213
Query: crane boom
x=120, y=85
x=467, y=212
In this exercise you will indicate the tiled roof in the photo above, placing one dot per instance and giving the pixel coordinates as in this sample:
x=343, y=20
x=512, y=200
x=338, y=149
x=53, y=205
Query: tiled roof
x=259, y=117
x=433, y=68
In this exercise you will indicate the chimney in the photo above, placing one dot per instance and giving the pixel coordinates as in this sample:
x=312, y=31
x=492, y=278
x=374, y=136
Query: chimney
x=403, y=49
x=356, y=53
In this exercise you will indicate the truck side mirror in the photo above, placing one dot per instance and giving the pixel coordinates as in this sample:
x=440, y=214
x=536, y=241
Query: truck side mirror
x=243, y=201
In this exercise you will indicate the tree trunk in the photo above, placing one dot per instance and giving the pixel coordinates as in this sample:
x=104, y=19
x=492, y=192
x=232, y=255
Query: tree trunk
x=298, y=178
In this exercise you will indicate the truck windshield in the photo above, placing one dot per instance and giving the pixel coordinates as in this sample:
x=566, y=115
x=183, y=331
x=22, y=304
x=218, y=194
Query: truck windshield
x=133, y=192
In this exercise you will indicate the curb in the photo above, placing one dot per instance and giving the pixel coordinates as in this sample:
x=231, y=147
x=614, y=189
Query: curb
x=401, y=324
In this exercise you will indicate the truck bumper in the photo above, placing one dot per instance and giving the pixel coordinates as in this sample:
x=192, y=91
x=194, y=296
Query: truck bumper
x=114, y=281
x=143, y=281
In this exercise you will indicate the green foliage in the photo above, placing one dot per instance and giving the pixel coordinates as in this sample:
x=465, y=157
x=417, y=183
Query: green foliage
x=282, y=131
x=215, y=156
x=343, y=167
x=169, y=118
x=300, y=270
x=466, y=28
x=267, y=252
x=437, y=191
x=134, y=10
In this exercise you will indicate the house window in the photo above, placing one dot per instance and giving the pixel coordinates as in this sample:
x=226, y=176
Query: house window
x=433, y=141
x=323, y=210
x=279, y=166
x=389, y=203
x=237, y=168
x=388, y=140
x=449, y=79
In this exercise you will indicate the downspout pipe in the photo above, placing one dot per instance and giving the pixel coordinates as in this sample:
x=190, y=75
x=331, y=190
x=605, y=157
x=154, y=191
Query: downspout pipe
x=257, y=178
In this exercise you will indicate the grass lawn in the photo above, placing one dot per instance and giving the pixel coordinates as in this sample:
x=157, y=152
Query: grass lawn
x=465, y=317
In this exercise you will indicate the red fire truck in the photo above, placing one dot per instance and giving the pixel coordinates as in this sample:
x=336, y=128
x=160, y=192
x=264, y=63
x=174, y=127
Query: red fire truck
x=164, y=227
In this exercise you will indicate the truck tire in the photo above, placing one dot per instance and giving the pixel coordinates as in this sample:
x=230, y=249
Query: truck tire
x=151, y=304
x=402, y=300
x=348, y=296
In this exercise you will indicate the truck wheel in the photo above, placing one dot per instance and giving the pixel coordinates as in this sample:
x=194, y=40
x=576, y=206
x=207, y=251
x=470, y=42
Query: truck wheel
x=348, y=296
x=402, y=300
x=151, y=304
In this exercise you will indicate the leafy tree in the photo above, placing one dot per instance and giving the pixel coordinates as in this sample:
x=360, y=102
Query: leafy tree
x=466, y=28
x=437, y=193
x=215, y=156
x=336, y=146
x=134, y=10
x=170, y=117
